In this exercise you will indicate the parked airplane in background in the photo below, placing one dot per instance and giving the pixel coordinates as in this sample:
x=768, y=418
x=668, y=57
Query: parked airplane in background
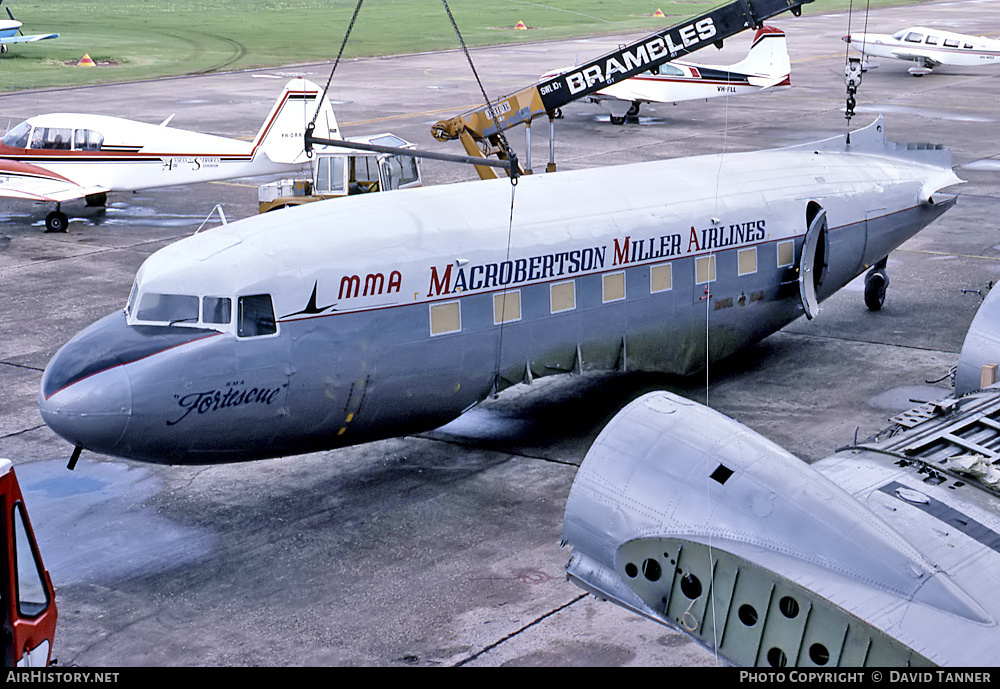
x=60, y=157
x=331, y=324
x=886, y=553
x=929, y=48
x=10, y=32
x=765, y=66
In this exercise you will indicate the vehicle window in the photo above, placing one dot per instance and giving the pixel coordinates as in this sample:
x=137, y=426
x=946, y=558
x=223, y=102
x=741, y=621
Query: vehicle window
x=330, y=174
x=951, y=43
x=365, y=169
x=18, y=136
x=32, y=598
x=256, y=316
x=400, y=170
x=87, y=140
x=932, y=40
x=168, y=308
x=216, y=310
x=914, y=37
x=968, y=46
x=51, y=138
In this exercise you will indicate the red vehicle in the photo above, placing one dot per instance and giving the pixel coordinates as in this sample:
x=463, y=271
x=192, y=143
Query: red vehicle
x=26, y=594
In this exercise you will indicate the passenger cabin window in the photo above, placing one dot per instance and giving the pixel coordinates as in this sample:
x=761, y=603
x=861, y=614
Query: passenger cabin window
x=932, y=40
x=950, y=43
x=168, y=308
x=87, y=140
x=52, y=138
x=256, y=316
x=18, y=136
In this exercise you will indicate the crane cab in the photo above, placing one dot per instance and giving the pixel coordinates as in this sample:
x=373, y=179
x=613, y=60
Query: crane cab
x=341, y=173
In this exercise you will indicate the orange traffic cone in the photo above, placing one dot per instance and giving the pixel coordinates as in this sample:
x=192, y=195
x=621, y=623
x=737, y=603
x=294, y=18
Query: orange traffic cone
x=85, y=61
x=659, y=13
x=521, y=26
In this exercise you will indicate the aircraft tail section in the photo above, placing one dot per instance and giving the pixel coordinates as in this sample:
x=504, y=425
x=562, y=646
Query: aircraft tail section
x=767, y=64
x=282, y=136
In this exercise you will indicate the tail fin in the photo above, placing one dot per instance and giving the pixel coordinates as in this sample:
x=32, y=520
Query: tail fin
x=767, y=63
x=282, y=136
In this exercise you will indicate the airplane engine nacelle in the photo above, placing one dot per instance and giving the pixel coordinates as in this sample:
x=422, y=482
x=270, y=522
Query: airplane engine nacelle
x=980, y=357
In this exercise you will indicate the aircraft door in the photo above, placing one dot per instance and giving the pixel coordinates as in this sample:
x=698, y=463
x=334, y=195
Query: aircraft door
x=813, y=260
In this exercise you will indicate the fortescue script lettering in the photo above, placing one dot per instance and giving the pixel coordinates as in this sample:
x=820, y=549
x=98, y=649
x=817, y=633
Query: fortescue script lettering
x=214, y=400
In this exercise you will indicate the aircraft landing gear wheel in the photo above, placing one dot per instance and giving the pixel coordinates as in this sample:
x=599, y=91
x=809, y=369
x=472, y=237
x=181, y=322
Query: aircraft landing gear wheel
x=618, y=119
x=56, y=221
x=876, y=283
x=633, y=112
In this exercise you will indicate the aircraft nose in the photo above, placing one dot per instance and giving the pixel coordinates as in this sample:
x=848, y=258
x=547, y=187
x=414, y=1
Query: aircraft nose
x=847, y=38
x=92, y=413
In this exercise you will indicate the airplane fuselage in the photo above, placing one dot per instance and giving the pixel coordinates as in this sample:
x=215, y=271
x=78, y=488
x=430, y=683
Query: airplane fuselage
x=134, y=155
x=928, y=46
x=341, y=322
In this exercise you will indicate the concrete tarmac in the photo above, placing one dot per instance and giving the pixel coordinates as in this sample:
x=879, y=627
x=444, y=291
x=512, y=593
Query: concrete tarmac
x=443, y=548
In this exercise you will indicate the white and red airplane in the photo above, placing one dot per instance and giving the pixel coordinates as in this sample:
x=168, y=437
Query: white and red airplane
x=60, y=157
x=10, y=32
x=766, y=66
x=929, y=48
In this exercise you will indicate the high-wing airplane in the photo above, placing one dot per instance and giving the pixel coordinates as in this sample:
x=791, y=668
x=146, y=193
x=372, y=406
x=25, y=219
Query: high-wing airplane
x=10, y=32
x=886, y=553
x=928, y=48
x=377, y=315
x=766, y=66
x=60, y=157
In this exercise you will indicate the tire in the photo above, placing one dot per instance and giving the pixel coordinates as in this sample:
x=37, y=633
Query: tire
x=56, y=221
x=875, y=286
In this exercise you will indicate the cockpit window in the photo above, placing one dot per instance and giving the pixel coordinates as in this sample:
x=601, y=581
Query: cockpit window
x=18, y=136
x=168, y=308
x=256, y=316
x=52, y=138
x=914, y=37
x=217, y=310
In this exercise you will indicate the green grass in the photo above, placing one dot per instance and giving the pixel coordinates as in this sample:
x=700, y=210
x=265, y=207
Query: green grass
x=132, y=40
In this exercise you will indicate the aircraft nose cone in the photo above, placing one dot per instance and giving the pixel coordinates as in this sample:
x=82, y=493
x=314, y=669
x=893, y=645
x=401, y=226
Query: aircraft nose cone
x=93, y=412
x=847, y=38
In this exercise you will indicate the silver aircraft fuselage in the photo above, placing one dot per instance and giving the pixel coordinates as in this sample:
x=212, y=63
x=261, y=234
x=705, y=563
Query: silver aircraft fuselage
x=367, y=317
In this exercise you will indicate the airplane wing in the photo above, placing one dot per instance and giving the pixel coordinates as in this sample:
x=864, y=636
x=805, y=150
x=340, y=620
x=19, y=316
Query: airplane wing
x=29, y=39
x=24, y=181
x=917, y=56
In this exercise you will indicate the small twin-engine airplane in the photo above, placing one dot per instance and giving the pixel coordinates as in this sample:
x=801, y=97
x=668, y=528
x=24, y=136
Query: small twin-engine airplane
x=10, y=32
x=929, y=48
x=377, y=315
x=60, y=157
x=886, y=553
x=765, y=66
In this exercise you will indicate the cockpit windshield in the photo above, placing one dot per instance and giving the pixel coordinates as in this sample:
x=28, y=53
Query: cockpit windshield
x=18, y=136
x=255, y=312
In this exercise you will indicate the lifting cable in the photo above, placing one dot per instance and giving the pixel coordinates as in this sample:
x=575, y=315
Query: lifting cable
x=853, y=67
x=514, y=172
x=326, y=89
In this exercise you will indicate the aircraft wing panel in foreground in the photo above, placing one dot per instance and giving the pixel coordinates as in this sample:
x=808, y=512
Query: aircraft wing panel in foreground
x=884, y=554
x=25, y=181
